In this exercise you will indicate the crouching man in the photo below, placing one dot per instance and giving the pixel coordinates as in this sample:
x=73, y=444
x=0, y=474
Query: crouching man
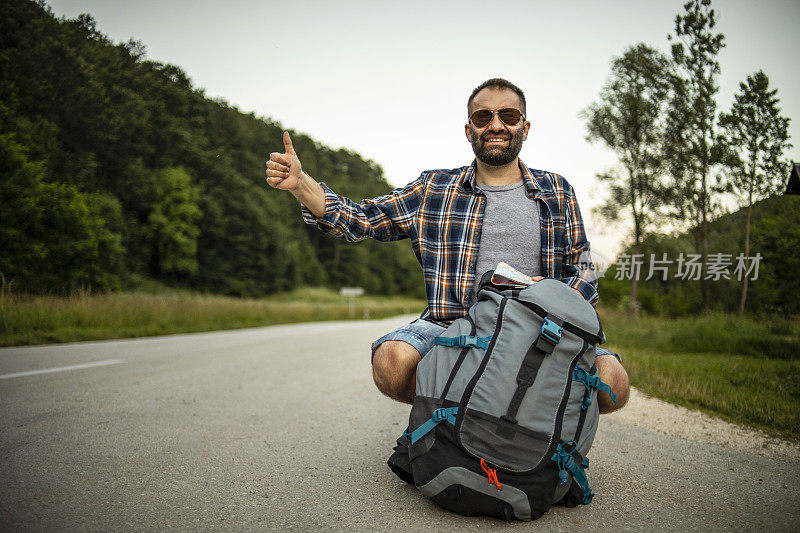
x=461, y=223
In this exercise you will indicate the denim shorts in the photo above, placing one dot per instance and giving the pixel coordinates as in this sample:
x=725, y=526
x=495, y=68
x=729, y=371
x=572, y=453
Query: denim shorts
x=419, y=334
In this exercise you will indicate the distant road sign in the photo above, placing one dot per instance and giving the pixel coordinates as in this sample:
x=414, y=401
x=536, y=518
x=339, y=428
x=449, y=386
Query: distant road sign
x=351, y=291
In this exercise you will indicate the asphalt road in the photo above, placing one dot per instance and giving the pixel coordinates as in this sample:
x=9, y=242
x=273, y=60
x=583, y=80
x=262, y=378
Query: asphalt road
x=281, y=428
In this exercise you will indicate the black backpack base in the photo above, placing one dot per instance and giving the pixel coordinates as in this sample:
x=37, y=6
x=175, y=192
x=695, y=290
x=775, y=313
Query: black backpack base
x=506, y=406
x=534, y=490
x=399, y=462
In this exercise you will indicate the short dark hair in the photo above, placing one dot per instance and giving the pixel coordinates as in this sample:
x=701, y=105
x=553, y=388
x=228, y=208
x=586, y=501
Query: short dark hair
x=500, y=83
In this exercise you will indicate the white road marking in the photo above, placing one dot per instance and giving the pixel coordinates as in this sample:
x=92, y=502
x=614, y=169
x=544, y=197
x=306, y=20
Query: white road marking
x=62, y=368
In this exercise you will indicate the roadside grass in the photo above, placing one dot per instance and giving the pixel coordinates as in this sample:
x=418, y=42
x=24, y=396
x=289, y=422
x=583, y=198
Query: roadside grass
x=773, y=337
x=28, y=320
x=743, y=370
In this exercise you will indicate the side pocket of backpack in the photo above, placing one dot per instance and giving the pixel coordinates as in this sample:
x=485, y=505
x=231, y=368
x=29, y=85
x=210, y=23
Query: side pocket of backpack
x=422, y=423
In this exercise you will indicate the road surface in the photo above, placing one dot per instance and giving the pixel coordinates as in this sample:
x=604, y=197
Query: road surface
x=281, y=428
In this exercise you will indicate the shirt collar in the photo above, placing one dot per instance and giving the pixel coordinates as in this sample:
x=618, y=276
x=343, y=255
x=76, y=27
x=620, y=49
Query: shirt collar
x=470, y=183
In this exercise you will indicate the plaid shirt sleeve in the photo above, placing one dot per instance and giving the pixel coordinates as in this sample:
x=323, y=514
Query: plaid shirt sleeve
x=577, y=273
x=385, y=218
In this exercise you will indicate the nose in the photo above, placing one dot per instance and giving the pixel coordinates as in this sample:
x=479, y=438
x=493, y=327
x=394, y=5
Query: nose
x=496, y=124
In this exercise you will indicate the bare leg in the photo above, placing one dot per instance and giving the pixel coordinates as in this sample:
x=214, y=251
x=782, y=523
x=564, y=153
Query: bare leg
x=611, y=372
x=394, y=369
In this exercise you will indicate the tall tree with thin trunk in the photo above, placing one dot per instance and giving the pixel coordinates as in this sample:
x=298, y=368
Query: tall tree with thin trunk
x=691, y=145
x=755, y=136
x=629, y=119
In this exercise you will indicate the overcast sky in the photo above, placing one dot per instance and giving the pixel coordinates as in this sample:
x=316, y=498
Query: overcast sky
x=390, y=80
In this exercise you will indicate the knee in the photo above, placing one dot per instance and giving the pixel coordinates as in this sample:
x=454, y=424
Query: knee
x=614, y=375
x=622, y=388
x=394, y=367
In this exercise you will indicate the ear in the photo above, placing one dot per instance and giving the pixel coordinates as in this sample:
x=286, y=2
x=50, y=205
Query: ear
x=526, y=128
x=466, y=132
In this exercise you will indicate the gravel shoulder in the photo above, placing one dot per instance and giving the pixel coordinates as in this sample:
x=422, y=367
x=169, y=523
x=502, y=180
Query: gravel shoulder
x=657, y=415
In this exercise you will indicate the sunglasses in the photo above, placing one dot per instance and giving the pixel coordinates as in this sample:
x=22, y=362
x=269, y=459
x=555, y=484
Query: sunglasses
x=509, y=116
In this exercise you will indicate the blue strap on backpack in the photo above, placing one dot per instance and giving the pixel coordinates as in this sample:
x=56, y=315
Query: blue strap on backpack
x=439, y=415
x=465, y=341
x=567, y=465
x=592, y=382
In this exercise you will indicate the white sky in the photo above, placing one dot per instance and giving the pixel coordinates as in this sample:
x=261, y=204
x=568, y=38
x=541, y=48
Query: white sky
x=390, y=80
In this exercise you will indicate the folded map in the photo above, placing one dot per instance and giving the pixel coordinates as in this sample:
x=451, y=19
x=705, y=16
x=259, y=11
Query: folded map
x=505, y=274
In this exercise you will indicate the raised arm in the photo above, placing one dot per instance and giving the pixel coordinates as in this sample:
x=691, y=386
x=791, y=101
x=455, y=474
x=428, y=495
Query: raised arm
x=385, y=218
x=285, y=172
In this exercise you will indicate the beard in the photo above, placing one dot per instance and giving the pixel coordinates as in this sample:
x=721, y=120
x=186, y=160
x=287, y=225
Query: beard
x=496, y=157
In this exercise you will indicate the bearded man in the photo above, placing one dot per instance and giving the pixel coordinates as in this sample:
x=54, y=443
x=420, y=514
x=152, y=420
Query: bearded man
x=461, y=223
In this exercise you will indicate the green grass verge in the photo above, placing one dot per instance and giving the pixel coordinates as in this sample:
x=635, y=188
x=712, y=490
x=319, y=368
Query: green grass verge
x=713, y=363
x=743, y=370
x=39, y=320
x=772, y=337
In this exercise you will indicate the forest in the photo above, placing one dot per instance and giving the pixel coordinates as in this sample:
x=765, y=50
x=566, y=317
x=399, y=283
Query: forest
x=116, y=171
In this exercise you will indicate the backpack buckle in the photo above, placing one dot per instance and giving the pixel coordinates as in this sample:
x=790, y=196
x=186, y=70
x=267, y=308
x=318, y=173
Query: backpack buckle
x=467, y=341
x=551, y=331
x=439, y=415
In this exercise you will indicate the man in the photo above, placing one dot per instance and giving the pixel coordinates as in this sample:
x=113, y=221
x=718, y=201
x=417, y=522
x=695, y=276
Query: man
x=461, y=223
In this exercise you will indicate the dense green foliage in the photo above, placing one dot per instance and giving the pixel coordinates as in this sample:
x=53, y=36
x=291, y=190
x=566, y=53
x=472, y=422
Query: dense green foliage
x=115, y=168
x=755, y=135
x=774, y=233
x=48, y=228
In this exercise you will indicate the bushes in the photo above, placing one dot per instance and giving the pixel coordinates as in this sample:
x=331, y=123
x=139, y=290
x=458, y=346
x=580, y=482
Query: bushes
x=54, y=238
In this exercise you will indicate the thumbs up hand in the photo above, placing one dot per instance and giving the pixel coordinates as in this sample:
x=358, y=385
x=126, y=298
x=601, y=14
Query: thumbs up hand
x=284, y=170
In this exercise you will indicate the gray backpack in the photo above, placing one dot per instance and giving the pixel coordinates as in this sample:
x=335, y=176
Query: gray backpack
x=506, y=408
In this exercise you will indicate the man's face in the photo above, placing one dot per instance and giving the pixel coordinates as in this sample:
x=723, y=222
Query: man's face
x=497, y=143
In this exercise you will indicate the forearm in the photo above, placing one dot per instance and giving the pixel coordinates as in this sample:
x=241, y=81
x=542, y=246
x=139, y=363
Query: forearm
x=310, y=194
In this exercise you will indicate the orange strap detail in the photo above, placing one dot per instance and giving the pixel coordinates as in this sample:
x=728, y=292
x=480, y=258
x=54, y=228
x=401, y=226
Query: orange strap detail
x=491, y=473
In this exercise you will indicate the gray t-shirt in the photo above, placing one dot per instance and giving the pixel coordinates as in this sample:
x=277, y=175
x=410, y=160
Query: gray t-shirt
x=510, y=232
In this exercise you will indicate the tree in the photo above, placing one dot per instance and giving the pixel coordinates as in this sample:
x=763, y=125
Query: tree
x=755, y=136
x=629, y=119
x=691, y=145
x=53, y=237
x=172, y=224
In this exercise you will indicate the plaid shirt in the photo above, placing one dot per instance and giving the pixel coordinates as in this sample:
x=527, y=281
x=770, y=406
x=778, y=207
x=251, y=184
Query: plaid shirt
x=442, y=213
